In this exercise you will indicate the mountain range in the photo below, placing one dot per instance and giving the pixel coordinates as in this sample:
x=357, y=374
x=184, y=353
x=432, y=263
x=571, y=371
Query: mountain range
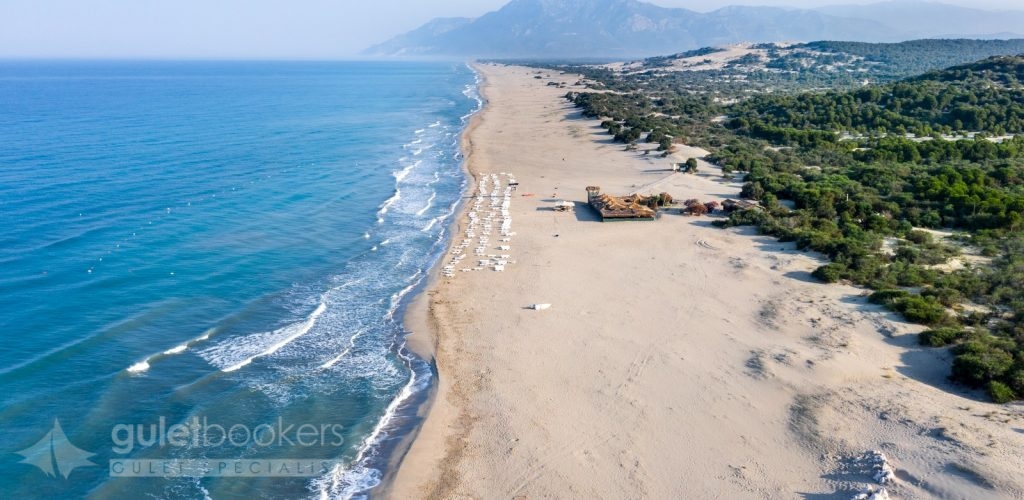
x=631, y=28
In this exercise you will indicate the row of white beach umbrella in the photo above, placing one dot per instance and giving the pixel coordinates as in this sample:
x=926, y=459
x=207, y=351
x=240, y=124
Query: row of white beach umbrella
x=482, y=217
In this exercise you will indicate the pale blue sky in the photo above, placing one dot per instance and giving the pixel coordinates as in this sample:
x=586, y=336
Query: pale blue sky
x=309, y=29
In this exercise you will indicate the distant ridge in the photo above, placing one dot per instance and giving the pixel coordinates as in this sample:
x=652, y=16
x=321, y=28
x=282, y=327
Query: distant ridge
x=633, y=29
x=923, y=19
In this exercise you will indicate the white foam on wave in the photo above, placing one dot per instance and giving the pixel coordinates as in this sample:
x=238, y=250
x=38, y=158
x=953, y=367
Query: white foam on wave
x=387, y=204
x=430, y=202
x=397, y=297
x=139, y=367
x=395, y=300
x=351, y=345
x=356, y=336
x=290, y=333
x=144, y=365
x=400, y=175
x=346, y=482
x=360, y=475
x=443, y=217
x=472, y=91
x=433, y=222
x=391, y=201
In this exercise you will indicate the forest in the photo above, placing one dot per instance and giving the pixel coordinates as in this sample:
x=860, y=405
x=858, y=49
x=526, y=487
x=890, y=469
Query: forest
x=793, y=67
x=874, y=175
x=918, y=56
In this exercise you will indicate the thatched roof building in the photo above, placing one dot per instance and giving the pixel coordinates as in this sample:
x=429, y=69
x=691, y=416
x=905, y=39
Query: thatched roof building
x=632, y=207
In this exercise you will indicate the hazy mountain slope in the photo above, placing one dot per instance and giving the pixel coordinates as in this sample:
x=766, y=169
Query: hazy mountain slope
x=620, y=28
x=418, y=41
x=919, y=19
x=571, y=27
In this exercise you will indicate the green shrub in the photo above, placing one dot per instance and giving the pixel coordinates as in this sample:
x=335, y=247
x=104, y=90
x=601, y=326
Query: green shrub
x=1016, y=381
x=940, y=337
x=979, y=362
x=919, y=237
x=946, y=296
x=888, y=297
x=926, y=311
x=1000, y=392
x=829, y=273
x=749, y=217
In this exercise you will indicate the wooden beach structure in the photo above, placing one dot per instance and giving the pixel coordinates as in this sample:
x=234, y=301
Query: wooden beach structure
x=616, y=208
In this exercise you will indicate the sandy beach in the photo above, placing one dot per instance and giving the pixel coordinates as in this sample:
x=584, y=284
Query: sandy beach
x=677, y=360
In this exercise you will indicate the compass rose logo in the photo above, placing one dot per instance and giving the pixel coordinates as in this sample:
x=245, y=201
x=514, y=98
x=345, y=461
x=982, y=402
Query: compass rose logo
x=55, y=452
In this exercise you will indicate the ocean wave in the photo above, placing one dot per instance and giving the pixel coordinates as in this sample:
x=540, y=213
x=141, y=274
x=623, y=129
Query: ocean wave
x=396, y=299
x=346, y=342
x=400, y=175
x=279, y=312
x=430, y=225
x=238, y=352
x=430, y=202
x=360, y=476
x=359, y=336
x=145, y=364
x=351, y=345
x=139, y=367
x=387, y=204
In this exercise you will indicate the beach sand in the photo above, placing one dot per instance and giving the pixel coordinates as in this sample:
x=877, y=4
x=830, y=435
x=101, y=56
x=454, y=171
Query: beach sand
x=677, y=360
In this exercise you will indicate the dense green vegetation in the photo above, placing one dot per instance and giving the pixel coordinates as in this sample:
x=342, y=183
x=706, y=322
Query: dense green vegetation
x=918, y=56
x=987, y=96
x=774, y=67
x=635, y=117
x=864, y=170
x=661, y=61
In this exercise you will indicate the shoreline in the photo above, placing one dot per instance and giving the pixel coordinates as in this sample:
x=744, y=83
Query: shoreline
x=422, y=339
x=392, y=437
x=416, y=316
x=727, y=370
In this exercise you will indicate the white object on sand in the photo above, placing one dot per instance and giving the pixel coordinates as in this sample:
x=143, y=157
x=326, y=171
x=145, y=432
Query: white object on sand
x=870, y=494
x=540, y=307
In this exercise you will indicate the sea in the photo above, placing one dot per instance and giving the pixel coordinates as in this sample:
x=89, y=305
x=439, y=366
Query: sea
x=203, y=271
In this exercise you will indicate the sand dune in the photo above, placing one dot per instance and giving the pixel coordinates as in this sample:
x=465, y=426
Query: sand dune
x=677, y=360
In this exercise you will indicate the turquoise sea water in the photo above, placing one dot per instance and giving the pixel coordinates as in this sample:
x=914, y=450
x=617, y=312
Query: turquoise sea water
x=228, y=243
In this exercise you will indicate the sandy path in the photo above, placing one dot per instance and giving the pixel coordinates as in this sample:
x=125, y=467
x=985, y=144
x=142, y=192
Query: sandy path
x=677, y=360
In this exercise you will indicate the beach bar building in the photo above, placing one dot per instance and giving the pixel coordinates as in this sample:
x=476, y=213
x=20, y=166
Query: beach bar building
x=615, y=208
